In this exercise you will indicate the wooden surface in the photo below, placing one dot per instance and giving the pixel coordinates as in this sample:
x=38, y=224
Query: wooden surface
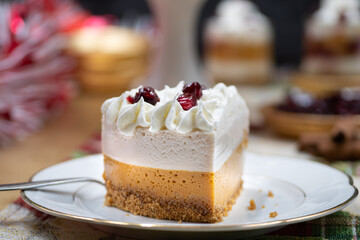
x=52, y=144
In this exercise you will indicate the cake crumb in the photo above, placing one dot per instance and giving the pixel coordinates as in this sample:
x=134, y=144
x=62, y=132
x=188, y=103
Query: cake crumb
x=260, y=190
x=270, y=194
x=252, y=205
x=273, y=214
x=179, y=221
x=276, y=205
x=127, y=215
x=263, y=206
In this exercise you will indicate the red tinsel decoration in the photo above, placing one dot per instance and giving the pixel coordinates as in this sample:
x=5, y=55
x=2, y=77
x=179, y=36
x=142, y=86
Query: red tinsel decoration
x=35, y=72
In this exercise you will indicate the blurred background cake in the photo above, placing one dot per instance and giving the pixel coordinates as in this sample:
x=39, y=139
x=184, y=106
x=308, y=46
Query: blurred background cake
x=109, y=58
x=326, y=87
x=238, y=44
x=332, y=36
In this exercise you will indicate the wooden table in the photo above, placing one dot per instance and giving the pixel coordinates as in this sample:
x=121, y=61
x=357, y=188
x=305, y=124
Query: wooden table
x=52, y=144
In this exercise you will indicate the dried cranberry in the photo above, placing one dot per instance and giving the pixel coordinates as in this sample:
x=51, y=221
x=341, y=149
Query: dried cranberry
x=186, y=101
x=346, y=103
x=191, y=93
x=305, y=103
x=194, y=89
x=148, y=93
x=340, y=103
x=130, y=99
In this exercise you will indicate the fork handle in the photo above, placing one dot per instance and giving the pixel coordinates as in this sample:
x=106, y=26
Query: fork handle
x=44, y=183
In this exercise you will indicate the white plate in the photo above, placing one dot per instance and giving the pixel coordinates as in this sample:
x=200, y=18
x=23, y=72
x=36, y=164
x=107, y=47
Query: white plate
x=303, y=190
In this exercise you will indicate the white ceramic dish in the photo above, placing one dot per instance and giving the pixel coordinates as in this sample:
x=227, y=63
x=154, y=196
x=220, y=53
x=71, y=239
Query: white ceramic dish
x=303, y=190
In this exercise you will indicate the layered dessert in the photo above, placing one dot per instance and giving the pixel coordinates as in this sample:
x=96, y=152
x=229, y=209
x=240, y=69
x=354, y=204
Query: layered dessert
x=238, y=44
x=175, y=153
x=332, y=36
x=109, y=58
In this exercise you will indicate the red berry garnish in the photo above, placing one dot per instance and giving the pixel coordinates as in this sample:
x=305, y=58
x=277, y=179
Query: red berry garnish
x=148, y=93
x=186, y=101
x=192, y=93
x=194, y=89
x=130, y=99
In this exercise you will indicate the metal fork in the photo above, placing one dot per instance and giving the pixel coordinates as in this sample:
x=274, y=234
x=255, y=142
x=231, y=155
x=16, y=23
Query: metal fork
x=44, y=183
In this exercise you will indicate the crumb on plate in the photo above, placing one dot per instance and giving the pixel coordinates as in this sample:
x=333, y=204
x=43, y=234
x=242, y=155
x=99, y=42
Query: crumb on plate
x=273, y=214
x=270, y=194
x=263, y=206
x=252, y=205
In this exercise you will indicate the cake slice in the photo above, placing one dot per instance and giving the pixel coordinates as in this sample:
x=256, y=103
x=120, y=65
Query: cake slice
x=176, y=153
x=238, y=44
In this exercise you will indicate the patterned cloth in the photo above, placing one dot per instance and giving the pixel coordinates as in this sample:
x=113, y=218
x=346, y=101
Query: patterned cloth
x=20, y=221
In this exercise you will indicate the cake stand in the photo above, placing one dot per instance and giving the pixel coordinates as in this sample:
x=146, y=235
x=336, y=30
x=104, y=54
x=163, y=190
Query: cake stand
x=175, y=57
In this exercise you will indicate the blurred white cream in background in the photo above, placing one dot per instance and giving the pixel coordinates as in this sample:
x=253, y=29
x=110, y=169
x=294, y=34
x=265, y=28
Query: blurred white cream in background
x=238, y=44
x=332, y=36
x=110, y=58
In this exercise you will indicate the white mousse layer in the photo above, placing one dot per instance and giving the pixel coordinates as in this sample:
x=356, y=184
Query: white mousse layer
x=200, y=139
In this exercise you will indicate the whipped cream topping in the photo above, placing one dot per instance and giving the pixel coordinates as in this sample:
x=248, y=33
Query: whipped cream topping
x=325, y=21
x=168, y=113
x=239, y=19
x=221, y=115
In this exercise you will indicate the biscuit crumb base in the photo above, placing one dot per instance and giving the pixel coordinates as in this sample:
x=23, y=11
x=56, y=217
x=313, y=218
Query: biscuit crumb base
x=139, y=203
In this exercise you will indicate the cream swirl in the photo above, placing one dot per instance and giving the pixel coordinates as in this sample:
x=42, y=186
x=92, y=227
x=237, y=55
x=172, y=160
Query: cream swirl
x=168, y=113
